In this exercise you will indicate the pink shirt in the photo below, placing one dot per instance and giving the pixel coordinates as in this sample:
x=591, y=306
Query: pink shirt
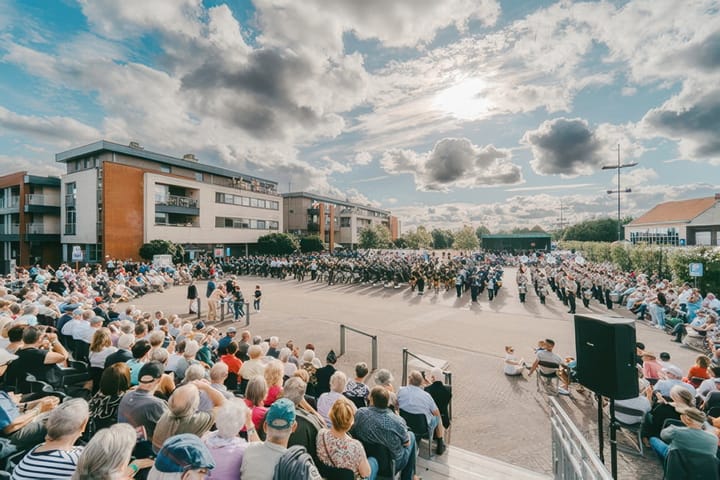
x=651, y=368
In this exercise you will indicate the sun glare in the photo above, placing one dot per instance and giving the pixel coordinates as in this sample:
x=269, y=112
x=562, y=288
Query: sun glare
x=464, y=100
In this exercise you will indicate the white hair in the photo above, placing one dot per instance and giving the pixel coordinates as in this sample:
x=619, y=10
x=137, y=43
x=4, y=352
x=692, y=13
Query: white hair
x=107, y=453
x=338, y=382
x=230, y=418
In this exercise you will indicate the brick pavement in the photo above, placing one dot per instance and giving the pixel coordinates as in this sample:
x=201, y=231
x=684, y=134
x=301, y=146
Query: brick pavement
x=496, y=416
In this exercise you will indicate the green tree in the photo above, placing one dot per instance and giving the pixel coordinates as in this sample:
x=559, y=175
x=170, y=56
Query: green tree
x=466, y=239
x=420, y=238
x=162, y=247
x=481, y=230
x=442, y=239
x=400, y=242
x=600, y=230
x=277, y=244
x=376, y=236
x=311, y=243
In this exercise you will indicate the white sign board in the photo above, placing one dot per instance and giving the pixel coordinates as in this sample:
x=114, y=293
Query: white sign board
x=696, y=269
x=77, y=253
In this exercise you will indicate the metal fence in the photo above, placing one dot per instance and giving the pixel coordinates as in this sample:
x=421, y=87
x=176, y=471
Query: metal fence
x=573, y=458
x=343, y=332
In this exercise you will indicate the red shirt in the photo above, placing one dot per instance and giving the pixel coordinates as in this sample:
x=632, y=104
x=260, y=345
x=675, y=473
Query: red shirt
x=232, y=362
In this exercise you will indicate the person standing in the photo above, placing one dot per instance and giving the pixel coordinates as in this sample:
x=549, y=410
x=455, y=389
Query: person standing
x=257, y=297
x=192, y=295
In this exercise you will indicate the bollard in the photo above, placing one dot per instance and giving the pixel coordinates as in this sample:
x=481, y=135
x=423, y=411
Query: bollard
x=198, y=308
x=374, y=353
x=342, y=339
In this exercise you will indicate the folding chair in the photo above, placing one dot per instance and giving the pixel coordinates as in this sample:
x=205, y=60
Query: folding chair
x=634, y=428
x=359, y=402
x=548, y=378
x=334, y=473
x=417, y=423
x=386, y=462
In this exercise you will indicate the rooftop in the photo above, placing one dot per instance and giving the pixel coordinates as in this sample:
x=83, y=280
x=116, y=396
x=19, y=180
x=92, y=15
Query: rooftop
x=335, y=201
x=102, y=146
x=680, y=211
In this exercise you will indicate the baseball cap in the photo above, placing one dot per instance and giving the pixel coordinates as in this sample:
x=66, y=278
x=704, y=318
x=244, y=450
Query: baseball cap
x=78, y=311
x=281, y=414
x=150, y=372
x=183, y=452
x=6, y=357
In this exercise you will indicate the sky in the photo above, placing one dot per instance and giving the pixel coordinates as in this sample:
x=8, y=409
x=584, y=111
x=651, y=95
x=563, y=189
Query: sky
x=451, y=113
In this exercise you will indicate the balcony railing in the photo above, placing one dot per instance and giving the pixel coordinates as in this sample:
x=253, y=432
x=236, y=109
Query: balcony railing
x=177, y=201
x=13, y=202
x=14, y=229
x=70, y=200
x=42, y=200
x=69, y=229
x=42, y=229
x=186, y=224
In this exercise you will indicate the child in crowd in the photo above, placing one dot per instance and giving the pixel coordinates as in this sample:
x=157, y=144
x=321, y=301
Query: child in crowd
x=258, y=295
x=513, y=365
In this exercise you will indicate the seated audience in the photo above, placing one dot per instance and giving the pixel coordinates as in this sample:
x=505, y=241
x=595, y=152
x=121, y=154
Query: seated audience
x=691, y=438
x=182, y=457
x=224, y=444
x=58, y=456
x=414, y=399
x=115, y=381
x=140, y=407
x=274, y=379
x=337, y=449
x=107, y=455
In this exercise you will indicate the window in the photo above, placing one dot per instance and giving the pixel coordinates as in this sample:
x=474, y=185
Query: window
x=161, y=218
x=164, y=168
x=253, y=202
x=245, y=201
x=261, y=224
x=199, y=176
x=219, y=197
x=273, y=225
x=702, y=238
x=344, y=221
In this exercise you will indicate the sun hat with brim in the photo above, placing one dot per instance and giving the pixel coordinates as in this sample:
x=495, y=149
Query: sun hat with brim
x=649, y=354
x=6, y=357
x=673, y=370
x=181, y=453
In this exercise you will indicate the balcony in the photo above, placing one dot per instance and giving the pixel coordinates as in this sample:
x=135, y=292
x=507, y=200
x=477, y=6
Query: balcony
x=42, y=229
x=14, y=229
x=194, y=224
x=42, y=200
x=313, y=211
x=12, y=202
x=176, y=204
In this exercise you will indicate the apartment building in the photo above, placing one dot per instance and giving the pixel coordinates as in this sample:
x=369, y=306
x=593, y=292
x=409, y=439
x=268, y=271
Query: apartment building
x=117, y=197
x=29, y=220
x=337, y=222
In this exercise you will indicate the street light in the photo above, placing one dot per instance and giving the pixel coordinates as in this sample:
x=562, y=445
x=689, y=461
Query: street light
x=619, y=191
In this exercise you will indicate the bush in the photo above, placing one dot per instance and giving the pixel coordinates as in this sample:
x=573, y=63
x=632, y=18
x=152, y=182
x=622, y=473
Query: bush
x=313, y=243
x=277, y=244
x=162, y=247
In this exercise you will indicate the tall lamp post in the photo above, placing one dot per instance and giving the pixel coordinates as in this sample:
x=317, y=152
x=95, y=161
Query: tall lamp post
x=619, y=191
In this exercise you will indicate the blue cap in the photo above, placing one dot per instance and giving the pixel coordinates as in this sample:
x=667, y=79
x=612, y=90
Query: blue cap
x=281, y=414
x=183, y=452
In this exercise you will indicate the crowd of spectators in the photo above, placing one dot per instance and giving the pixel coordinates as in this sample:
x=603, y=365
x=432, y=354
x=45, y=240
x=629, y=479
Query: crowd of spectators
x=95, y=388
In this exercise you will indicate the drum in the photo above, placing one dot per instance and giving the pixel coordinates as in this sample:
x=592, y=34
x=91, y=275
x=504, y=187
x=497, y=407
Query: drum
x=587, y=294
x=615, y=297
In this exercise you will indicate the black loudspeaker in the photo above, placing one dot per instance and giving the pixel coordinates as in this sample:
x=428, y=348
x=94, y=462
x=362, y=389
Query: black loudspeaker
x=606, y=361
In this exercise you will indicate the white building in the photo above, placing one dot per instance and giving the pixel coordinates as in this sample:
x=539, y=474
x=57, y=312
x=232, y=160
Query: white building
x=117, y=197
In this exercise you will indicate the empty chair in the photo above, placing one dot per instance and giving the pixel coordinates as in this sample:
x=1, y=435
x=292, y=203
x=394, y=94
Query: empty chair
x=634, y=428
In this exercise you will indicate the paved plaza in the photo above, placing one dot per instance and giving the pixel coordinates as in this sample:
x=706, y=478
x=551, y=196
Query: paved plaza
x=493, y=415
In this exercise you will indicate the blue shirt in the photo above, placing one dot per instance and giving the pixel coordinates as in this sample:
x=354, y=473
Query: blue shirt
x=8, y=410
x=414, y=399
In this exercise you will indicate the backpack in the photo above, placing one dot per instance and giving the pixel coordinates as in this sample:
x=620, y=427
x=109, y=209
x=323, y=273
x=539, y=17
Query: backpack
x=296, y=464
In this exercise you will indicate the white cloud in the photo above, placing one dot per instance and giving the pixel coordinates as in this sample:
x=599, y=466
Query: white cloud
x=62, y=130
x=454, y=162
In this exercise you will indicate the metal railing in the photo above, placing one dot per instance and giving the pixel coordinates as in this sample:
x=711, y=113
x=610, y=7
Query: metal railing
x=42, y=200
x=343, y=331
x=573, y=458
x=229, y=308
x=176, y=201
x=14, y=229
x=42, y=229
x=181, y=224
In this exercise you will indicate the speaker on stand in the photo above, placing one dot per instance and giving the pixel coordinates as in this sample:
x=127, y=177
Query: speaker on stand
x=606, y=364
